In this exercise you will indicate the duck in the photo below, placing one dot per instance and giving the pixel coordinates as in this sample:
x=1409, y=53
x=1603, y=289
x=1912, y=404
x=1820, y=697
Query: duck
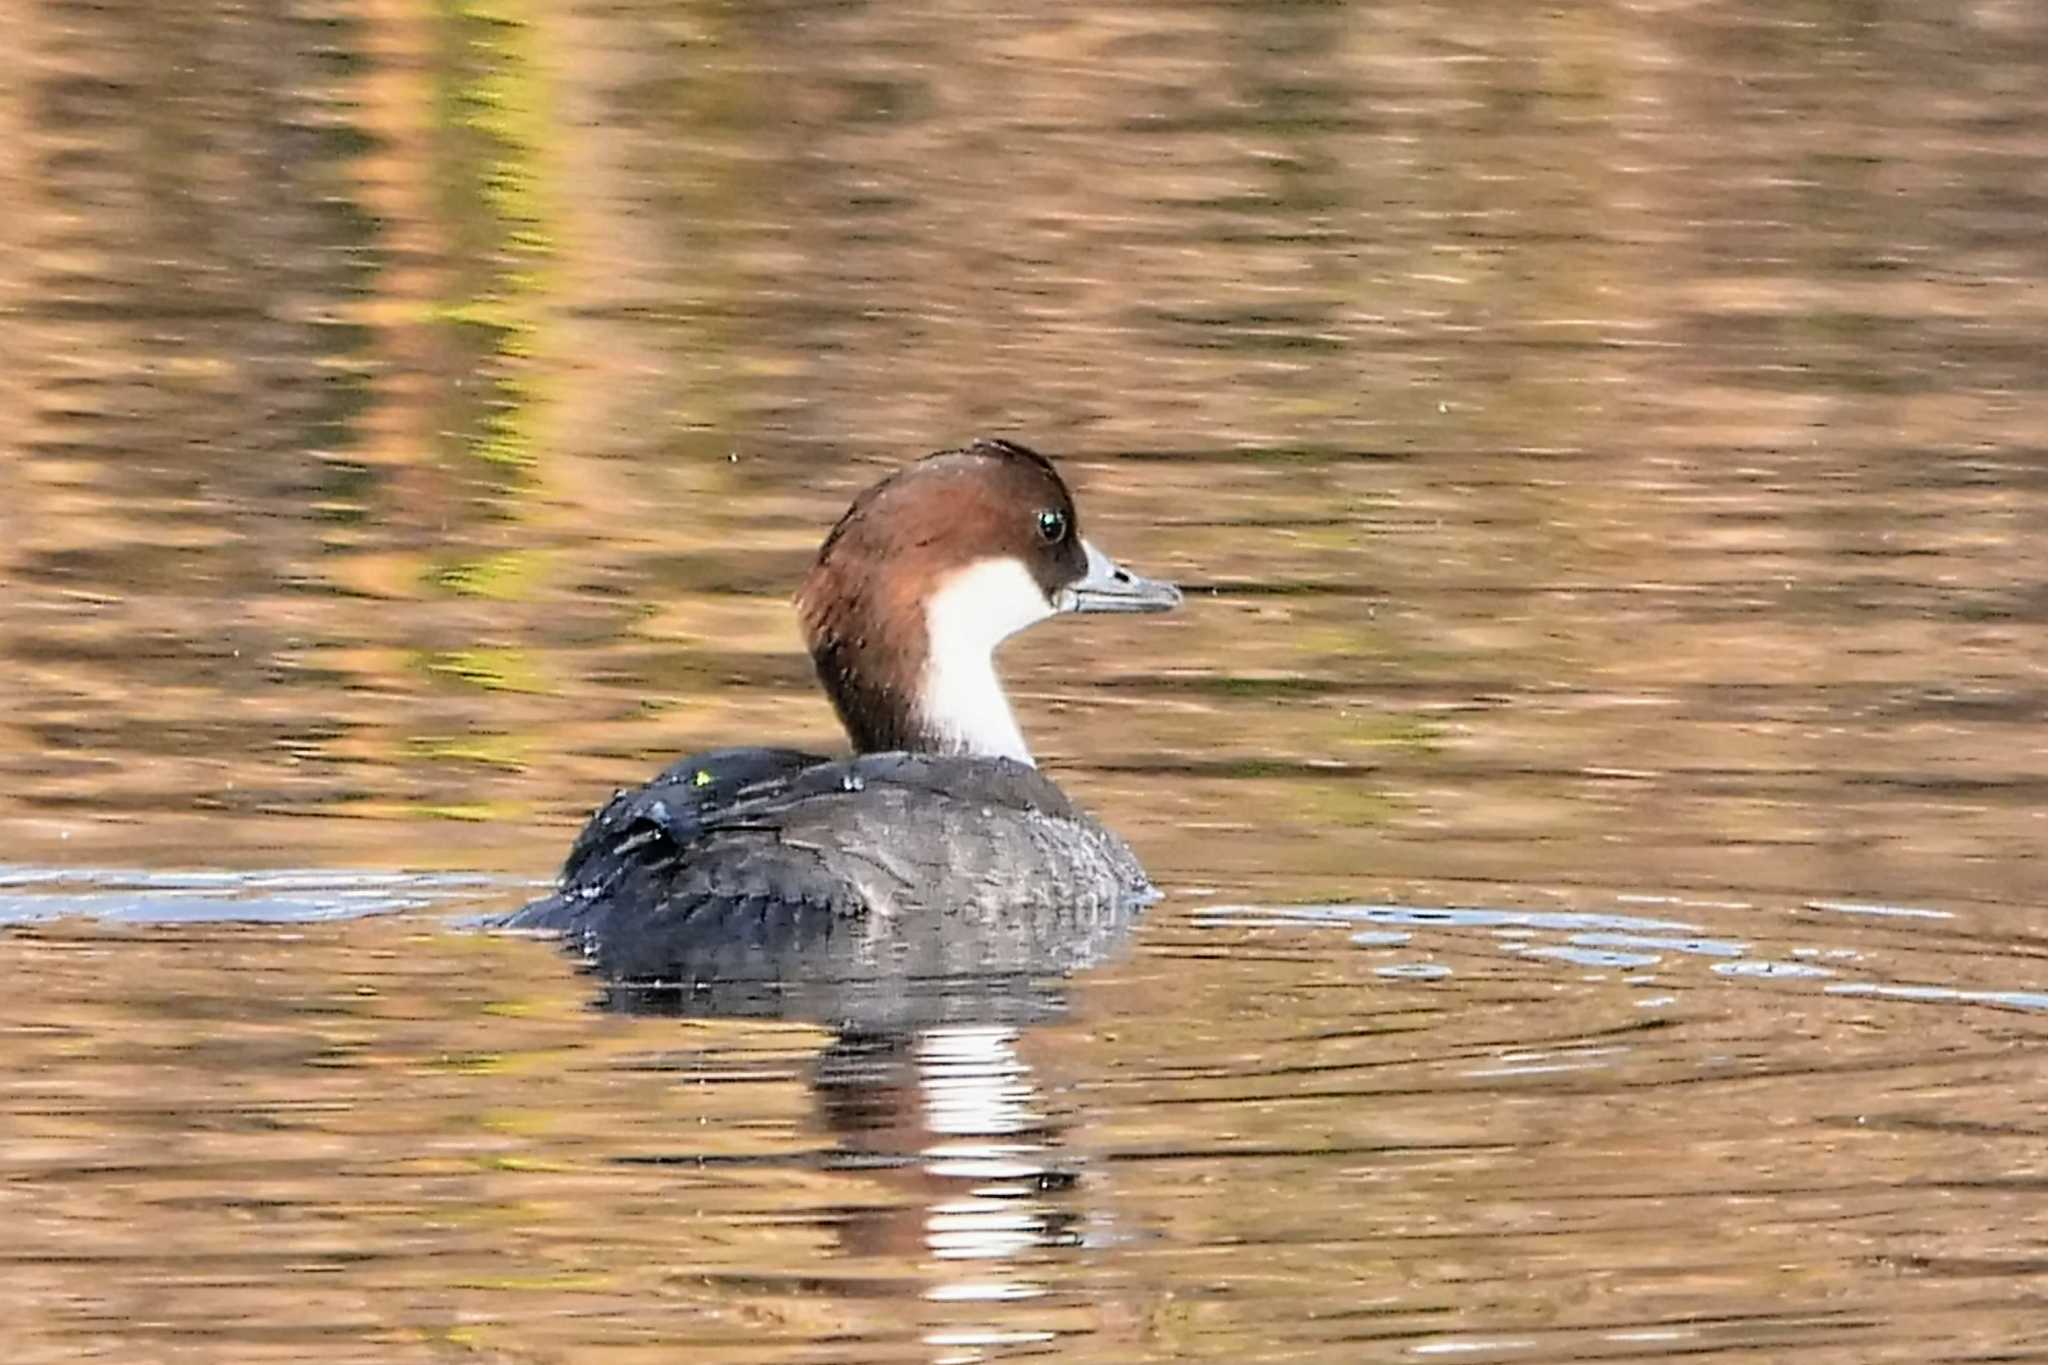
x=939, y=817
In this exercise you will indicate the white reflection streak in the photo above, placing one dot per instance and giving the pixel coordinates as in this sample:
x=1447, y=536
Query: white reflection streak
x=976, y=1089
x=974, y=1081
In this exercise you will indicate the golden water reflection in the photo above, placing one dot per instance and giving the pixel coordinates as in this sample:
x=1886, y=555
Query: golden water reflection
x=1603, y=447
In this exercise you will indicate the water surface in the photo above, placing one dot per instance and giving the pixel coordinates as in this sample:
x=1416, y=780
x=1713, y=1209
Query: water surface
x=1598, y=774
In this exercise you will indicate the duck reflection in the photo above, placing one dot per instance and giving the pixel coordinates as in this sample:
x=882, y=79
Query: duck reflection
x=923, y=1087
x=955, y=1116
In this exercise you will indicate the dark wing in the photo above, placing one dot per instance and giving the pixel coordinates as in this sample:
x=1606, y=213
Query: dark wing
x=676, y=806
x=636, y=838
x=729, y=906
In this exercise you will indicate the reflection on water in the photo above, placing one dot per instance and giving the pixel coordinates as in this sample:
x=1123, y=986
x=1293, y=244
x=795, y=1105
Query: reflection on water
x=922, y=1089
x=1250, y=1137
x=1604, y=445
x=1639, y=943
x=896, y=973
x=32, y=894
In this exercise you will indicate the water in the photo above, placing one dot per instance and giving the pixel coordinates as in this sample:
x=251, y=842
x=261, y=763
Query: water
x=1597, y=776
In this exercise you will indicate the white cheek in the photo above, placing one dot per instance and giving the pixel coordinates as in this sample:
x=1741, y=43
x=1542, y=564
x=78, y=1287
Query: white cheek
x=974, y=610
x=982, y=605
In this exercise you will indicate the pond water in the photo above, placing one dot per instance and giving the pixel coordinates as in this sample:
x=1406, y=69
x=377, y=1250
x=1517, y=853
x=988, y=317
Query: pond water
x=1597, y=777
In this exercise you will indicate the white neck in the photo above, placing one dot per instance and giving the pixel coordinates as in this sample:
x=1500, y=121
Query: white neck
x=962, y=702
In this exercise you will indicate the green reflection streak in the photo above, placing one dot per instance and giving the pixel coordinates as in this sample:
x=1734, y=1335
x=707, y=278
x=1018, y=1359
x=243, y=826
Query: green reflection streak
x=495, y=116
x=501, y=669
x=510, y=576
x=495, y=750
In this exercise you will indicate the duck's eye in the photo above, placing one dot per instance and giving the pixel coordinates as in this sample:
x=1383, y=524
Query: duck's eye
x=1052, y=526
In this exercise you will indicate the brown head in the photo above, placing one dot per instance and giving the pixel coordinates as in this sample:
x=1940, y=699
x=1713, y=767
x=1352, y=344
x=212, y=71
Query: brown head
x=930, y=570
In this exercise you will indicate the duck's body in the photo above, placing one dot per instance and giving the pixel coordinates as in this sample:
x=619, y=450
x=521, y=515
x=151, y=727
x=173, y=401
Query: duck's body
x=940, y=814
x=685, y=879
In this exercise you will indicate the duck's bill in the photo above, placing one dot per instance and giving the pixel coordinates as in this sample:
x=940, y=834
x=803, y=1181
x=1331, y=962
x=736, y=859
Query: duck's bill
x=1109, y=586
